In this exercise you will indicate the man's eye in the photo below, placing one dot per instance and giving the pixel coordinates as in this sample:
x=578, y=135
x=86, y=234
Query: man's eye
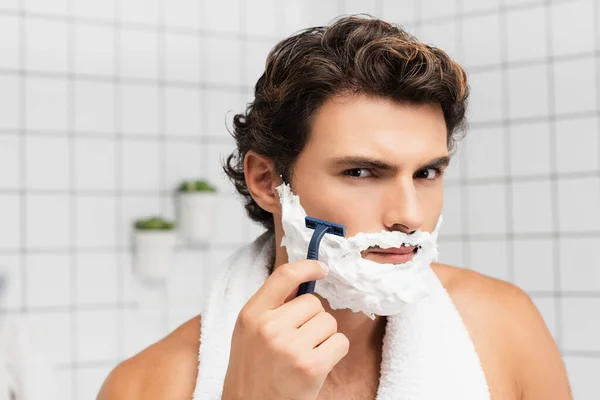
x=358, y=173
x=428, y=173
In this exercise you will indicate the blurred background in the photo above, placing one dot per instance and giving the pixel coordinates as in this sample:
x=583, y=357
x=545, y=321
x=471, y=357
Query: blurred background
x=107, y=106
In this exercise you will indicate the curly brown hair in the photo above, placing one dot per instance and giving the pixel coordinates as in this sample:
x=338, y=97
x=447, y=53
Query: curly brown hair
x=354, y=55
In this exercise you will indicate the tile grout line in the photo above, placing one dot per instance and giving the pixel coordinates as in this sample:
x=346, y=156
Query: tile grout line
x=553, y=169
x=23, y=161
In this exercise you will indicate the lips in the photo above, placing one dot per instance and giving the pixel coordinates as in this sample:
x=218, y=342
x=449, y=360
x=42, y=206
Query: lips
x=395, y=255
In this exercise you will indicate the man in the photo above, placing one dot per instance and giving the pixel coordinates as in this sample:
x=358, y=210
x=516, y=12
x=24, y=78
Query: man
x=359, y=118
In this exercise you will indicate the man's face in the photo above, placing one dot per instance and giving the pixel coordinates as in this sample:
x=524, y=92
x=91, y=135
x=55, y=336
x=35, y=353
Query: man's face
x=372, y=165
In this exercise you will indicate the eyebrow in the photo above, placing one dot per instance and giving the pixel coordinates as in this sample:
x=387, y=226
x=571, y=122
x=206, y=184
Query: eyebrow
x=373, y=163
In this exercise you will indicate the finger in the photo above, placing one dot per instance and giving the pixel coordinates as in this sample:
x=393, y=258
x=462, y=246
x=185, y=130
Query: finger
x=283, y=281
x=316, y=330
x=298, y=311
x=331, y=351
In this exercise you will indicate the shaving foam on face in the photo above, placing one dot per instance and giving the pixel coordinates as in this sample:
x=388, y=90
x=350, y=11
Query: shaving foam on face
x=354, y=282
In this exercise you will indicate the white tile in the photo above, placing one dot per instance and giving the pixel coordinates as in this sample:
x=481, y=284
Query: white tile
x=10, y=37
x=262, y=18
x=51, y=331
x=481, y=40
x=10, y=167
x=142, y=328
x=10, y=229
x=47, y=105
x=572, y=37
x=95, y=224
x=63, y=383
x=138, y=54
x=486, y=205
x=48, y=280
x=253, y=229
x=256, y=61
x=578, y=201
x=221, y=107
x=58, y=7
x=528, y=92
x=526, y=38
x=486, y=97
x=580, y=329
x=217, y=154
x=489, y=258
x=575, y=92
x=47, y=220
x=323, y=12
x=46, y=45
x=532, y=207
x=583, y=376
x=96, y=279
x=96, y=335
x=140, y=165
x=182, y=13
x=223, y=61
x=442, y=35
x=10, y=5
x=182, y=57
x=133, y=207
x=533, y=264
x=451, y=253
x=547, y=309
x=230, y=213
x=11, y=271
x=577, y=145
x=47, y=162
x=140, y=109
x=485, y=153
x=454, y=171
x=452, y=212
x=526, y=140
x=94, y=107
x=184, y=162
x=512, y=3
x=434, y=8
x=360, y=7
x=222, y=16
x=399, y=11
x=183, y=111
x=95, y=162
x=185, y=281
x=10, y=102
x=94, y=9
x=139, y=11
x=579, y=261
x=296, y=16
x=217, y=259
x=90, y=379
x=478, y=5
x=94, y=49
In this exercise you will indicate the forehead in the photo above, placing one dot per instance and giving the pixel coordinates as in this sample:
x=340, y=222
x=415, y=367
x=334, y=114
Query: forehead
x=378, y=127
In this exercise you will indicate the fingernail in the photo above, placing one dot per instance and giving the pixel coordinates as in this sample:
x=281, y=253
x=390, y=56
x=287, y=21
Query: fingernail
x=324, y=266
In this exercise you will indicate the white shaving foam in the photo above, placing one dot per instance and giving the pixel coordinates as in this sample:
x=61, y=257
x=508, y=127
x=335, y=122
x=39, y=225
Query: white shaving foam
x=354, y=282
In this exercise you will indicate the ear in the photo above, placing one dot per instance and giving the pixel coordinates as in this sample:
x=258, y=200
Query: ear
x=262, y=179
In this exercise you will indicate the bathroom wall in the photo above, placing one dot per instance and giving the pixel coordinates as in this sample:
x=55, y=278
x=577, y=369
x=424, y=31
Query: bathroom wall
x=106, y=105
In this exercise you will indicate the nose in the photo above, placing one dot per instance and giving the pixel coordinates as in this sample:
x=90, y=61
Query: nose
x=402, y=210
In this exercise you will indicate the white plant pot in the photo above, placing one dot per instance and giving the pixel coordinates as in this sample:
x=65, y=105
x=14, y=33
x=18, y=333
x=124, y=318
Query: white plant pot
x=153, y=253
x=196, y=216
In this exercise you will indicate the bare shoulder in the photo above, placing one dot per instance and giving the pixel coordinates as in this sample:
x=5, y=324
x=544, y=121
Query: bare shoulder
x=518, y=354
x=166, y=369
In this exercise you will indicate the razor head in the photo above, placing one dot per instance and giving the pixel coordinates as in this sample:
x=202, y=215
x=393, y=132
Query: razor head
x=339, y=230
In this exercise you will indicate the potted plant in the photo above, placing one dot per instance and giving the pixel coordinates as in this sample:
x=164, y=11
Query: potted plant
x=154, y=242
x=197, y=201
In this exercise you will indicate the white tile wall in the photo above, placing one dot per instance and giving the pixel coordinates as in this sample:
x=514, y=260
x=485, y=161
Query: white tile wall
x=146, y=108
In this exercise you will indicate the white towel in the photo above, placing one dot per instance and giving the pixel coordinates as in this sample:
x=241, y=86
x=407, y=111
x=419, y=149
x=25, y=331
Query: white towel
x=427, y=351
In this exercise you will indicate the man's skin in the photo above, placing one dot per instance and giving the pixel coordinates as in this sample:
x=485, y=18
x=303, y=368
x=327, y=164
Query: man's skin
x=368, y=165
